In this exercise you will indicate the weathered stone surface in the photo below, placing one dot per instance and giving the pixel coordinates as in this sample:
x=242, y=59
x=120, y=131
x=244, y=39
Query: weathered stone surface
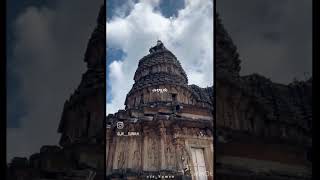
x=161, y=71
x=227, y=62
x=170, y=119
x=254, y=115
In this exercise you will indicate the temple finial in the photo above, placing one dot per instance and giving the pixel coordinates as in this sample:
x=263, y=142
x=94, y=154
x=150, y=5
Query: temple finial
x=158, y=47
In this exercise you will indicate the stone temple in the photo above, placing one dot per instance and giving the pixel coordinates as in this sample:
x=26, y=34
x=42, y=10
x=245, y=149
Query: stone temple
x=167, y=124
x=263, y=129
x=81, y=153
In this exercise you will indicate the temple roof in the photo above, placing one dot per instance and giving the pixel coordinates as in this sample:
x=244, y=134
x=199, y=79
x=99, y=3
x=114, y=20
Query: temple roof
x=226, y=57
x=161, y=65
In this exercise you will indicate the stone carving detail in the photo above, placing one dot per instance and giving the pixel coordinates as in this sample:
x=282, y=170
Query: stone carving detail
x=158, y=47
x=122, y=158
x=162, y=70
x=136, y=158
x=167, y=119
x=95, y=53
x=256, y=111
x=186, y=160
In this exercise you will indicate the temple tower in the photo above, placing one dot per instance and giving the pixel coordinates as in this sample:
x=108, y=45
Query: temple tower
x=167, y=124
x=264, y=125
x=161, y=71
x=82, y=123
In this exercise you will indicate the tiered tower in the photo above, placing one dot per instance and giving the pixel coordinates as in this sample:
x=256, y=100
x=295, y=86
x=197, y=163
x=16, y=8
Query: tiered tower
x=263, y=129
x=171, y=123
x=82, y=123
x=161, y=70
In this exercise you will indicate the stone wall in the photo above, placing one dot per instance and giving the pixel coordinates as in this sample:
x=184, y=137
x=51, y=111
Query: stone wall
x=254, y=116
x=162, y=146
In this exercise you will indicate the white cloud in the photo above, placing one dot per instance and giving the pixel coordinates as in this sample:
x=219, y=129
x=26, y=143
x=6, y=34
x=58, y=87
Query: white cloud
x=189, y=36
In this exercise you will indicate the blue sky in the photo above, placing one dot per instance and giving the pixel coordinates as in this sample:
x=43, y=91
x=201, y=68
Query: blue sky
x=184, y=26
x=113, y=54
x=167, y=8
x=44, y=67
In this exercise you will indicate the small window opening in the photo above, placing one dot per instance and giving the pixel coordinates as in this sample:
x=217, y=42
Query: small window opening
x=141, y=99
x=252, y=123
x=174, y=97
x=88, y=123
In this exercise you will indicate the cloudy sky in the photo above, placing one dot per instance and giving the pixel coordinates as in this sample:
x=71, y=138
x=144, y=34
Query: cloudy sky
x=47, y=39
x=184, y=26
x=45, y=46
x=274, y=37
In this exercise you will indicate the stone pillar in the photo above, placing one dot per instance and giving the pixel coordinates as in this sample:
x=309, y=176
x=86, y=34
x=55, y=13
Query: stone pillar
x=146, y=134
x=163, y=147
